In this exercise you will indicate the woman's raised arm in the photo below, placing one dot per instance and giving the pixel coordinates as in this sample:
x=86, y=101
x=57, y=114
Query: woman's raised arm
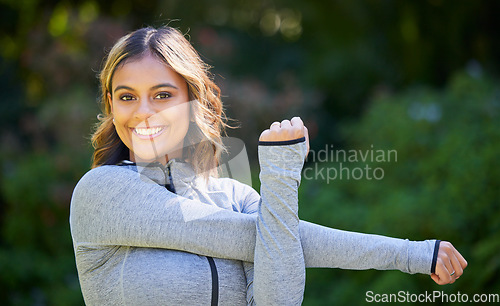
x=279, y=270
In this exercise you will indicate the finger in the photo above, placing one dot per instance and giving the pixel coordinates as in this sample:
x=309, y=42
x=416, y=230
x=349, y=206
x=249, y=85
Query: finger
x=306, y=135
x=275, y=126
x=451, y=271
x=436, y=279
x=457, y=267
x=443, y=272
x=458, y=261
x=298, y=126
x=449, y=255
x=297, y=122
x=285, y=124
x=264, y=135
x=460, y=258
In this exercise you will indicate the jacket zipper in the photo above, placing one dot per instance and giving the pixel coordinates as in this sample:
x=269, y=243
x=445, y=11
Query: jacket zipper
x=213, y=268
x=169, y=181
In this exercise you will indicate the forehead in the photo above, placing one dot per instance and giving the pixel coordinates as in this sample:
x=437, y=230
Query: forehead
x=145, y=71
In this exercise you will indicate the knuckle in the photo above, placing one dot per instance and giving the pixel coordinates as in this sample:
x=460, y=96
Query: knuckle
x=296, y=121
x=446, y=247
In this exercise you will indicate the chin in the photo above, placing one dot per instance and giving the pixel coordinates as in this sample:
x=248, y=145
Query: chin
x=149, y=155
x=145, y=156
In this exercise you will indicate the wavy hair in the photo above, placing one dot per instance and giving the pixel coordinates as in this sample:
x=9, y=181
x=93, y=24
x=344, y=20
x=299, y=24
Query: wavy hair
x=203, y=142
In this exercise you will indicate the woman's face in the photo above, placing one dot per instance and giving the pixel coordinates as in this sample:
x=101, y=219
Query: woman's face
x=149, y=103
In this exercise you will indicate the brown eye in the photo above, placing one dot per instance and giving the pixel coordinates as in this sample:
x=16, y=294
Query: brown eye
x=163, y=95
x=127, y=97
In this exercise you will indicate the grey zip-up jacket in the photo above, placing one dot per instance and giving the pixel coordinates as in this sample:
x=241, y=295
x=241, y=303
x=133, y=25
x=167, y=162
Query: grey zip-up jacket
x=138, y=243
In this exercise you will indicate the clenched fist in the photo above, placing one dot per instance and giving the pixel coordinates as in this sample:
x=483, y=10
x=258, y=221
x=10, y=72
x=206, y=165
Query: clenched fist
x=286, y=130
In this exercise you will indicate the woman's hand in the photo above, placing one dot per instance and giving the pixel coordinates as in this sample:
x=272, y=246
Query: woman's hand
x=450, y=264
x=286, y=130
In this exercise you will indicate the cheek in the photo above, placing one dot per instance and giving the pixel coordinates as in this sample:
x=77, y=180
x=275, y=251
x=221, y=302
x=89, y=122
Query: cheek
x=121, y=115
x=180, y=114
x=186, y=112
x=120, y=121
x=186, y=116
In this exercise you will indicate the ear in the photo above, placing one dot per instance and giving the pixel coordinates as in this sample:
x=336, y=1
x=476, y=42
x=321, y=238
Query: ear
x=110, y=101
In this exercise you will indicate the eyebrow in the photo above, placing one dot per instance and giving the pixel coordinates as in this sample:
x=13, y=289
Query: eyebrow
x=154, y=87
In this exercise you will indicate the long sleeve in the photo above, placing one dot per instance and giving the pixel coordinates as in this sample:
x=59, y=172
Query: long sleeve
x=279, y=271
x=112, y=205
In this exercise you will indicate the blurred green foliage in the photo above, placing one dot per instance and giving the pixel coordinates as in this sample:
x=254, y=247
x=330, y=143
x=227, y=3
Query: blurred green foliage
x=358, y=72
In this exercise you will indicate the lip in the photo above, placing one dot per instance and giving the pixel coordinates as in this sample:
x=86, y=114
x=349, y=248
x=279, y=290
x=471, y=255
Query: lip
x=148, y=133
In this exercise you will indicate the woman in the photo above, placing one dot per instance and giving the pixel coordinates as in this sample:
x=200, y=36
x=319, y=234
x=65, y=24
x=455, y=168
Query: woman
x=153, y=225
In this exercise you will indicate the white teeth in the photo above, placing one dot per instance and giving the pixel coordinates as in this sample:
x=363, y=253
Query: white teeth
x=147, y=131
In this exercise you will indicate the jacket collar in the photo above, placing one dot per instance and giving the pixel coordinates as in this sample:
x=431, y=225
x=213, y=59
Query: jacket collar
x=177, y=172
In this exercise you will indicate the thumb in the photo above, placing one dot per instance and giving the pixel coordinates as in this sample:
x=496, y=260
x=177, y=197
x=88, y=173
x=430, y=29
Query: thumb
x=435, y=278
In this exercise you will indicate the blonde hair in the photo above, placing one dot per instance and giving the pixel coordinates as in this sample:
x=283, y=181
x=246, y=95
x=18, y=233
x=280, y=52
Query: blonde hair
x=203, y=142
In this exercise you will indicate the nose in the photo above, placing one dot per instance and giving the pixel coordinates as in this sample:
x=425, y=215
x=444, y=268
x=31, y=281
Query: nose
x=144, y=109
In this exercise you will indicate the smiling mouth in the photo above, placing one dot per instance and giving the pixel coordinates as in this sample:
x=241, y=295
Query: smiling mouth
x=148, y=132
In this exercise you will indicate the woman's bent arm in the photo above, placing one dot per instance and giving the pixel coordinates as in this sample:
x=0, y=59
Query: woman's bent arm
x=112, y=205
